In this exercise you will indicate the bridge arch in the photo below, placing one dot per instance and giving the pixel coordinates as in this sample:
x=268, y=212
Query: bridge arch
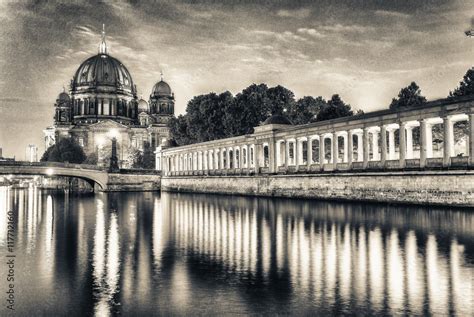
x=91, y=174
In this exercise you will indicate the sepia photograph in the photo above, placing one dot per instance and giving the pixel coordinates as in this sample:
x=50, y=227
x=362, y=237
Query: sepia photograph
x=236, y=158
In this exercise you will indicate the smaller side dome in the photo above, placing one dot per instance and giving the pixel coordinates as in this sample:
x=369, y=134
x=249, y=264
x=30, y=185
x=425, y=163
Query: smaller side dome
x=161, y=88
x=64, y=100
x=143, y=106
x=64, y=97
x=277, y=119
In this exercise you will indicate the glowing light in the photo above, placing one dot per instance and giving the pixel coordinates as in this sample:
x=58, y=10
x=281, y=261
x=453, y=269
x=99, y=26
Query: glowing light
x=100, y=141
x=49, y=171
x=113, y=133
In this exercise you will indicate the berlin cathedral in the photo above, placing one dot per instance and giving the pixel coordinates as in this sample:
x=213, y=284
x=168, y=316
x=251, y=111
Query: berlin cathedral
x=102, y=104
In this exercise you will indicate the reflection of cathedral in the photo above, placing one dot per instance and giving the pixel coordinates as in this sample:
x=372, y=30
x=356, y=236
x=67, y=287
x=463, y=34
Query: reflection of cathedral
x=102, y=103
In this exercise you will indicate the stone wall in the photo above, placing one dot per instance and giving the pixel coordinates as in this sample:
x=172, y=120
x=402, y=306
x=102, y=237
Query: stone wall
x=455, y=188
x=133, y=182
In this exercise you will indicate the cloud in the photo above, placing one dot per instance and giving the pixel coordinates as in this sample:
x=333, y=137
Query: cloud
x=311, y=32
x=12, y=100
x=392, y=14
x=285, y=36
x=297, y=14
x=339, y=28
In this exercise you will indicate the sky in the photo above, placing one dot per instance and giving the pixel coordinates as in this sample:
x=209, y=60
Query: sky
x=366, y=51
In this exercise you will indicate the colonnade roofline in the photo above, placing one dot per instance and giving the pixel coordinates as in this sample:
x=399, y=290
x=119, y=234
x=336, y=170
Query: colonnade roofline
x=404, y=112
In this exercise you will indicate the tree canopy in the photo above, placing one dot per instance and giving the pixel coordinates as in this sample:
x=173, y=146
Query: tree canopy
x=215, y=116
x=335, y=108
x=466, y=86
x=408, y=97
x=65, y=150
x=306, y=109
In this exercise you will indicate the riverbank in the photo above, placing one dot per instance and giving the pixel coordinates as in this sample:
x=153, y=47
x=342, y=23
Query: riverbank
x=444, y=188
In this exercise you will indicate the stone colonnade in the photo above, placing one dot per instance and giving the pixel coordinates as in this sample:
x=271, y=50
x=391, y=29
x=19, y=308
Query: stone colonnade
x=379, y=140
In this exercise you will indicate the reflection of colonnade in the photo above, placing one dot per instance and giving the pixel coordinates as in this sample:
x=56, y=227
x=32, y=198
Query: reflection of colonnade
x=384, y=139
x=336, y=262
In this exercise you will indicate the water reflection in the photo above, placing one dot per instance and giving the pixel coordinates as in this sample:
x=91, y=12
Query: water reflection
x=139, y=253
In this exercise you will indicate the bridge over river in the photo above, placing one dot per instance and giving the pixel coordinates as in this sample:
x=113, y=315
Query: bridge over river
x=99, y=178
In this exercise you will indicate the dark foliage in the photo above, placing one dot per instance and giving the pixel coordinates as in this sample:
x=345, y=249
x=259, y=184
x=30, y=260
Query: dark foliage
x=306, y=109
x=65, y=150
x=408, y=97
x=145, y=159
x=466, y=86
x=212, y=116
x=335, y=108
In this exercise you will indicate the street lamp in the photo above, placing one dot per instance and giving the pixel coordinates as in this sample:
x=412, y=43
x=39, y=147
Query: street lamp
x=114, y=167
x=101, y=140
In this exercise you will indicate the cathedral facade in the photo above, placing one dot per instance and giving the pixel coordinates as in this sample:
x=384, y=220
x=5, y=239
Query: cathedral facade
x=102, y=104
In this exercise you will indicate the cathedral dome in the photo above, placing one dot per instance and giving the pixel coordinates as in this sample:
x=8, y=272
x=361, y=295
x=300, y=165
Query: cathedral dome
x=63, y=99
x=161, y=88
x=105, y=73
x=143, y=106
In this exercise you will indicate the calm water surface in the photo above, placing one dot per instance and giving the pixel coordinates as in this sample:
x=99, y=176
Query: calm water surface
x=183, y=254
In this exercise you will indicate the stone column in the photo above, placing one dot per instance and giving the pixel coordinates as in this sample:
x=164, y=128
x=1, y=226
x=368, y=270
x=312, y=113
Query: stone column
x=391, y=144
x=256, y=161
x=335, y=149
x=271, y=156
x=346, y=147
x=322, y=153
x=360, y=148
x=277, y=156
x=350, y=147
x=309, y=155
x=471, y=138
x=424, y=142
x=296, y=153
x=204, y=160
x=383, y=135
x=403, y=144
x=375, y=146
x=409, y=133
x=365, y=147
x=287, y=153
x=448, y=148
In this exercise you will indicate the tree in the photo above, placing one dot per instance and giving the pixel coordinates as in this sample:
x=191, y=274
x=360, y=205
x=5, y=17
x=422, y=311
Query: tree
x=305, y=110
x=335, y=108
x=92, y=159
x=212, y=116
x=205, y=116
x=280, y=100
x=145, y=159
x=179, y=130
x=249, y=108
x=466, y=86
x=408, y=97
x=65, y=150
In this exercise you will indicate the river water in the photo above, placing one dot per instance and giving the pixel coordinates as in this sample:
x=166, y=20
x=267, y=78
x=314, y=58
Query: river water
x=190, y=254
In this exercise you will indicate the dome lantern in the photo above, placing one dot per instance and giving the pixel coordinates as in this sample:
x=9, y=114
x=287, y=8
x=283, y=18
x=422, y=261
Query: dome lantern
x=103, y=44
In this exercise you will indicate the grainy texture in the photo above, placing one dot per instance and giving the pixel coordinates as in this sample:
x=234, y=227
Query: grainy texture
x=434, y=188
x=133, y=182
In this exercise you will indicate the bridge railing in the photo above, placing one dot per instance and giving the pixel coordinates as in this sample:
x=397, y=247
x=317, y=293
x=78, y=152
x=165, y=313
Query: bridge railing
x=139, y=171
x=79, y=166
x=52, y=164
